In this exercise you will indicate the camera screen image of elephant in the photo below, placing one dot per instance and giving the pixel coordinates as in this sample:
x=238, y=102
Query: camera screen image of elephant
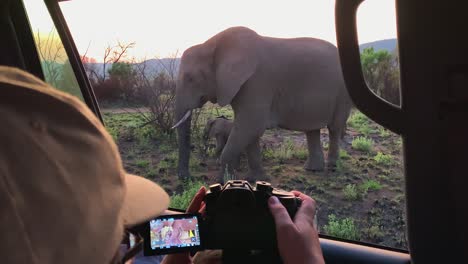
x=294, y=84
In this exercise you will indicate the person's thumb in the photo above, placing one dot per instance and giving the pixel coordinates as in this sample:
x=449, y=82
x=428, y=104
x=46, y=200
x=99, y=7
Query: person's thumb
x=280, y=214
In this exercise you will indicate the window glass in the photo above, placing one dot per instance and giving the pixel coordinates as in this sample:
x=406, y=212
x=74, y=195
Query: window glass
x=133, y=64
x=379, y=55
x=54, y=60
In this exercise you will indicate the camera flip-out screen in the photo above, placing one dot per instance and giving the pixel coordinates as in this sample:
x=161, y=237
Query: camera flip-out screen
x=173, y=233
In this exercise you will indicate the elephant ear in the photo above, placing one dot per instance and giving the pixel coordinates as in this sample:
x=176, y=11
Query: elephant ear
x=235, y=62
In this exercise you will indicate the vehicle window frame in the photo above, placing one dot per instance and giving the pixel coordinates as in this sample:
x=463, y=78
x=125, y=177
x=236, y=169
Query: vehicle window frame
x=91, y=100
x=72, y=53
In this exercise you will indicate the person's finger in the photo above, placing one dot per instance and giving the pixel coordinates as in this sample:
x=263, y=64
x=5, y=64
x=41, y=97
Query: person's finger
x=202, y=209
x=306, y=213
x=301, y=195
x=280, y=215
x=196, y=201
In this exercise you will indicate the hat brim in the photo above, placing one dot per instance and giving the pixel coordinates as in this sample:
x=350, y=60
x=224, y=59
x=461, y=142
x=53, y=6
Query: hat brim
x=144, y=200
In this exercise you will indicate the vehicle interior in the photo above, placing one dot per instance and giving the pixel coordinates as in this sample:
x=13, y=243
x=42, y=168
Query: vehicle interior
x=434, y=98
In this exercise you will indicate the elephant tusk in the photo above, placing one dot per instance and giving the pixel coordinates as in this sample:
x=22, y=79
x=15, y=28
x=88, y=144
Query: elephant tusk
x=187, y=115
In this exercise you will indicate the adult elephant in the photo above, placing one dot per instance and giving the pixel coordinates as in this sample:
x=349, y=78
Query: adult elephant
x=294, y=84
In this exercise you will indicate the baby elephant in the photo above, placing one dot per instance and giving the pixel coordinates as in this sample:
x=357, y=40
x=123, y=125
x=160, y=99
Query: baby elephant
x=218, y=128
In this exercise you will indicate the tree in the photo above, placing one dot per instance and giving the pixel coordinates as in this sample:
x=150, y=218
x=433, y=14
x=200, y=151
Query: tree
x=114, y=82
x=52, y=55
x=381, y=72
x=156, y=91
x=67, y=81
x=114, y=54
x=122, y=76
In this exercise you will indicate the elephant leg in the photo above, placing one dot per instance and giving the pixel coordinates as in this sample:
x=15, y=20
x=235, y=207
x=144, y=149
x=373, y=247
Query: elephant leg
x=335, y=134
x=315, y=160
x=220, y=143
x=337, y=131
x=246, y=130
x=254, y=157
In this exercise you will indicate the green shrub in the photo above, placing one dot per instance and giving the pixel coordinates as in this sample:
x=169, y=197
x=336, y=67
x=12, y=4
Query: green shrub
x=211, y=152
x=351, y=192
x=194, y=162
x=172, y=157
x=357, y=119
x=326, y=145
x=277, y=168
x=164, y=164
x=182, y=201
x=399, y=142
x=371, y=185
x=344, y=228
x=384, y=132
x=340, y=166
x=165, y=147
x=343, y=154
x=285, y=151
x=300, y=153
x=151, y=173
x=144, y=134
x=362, y=144
x=374, y=232
x=365, y=129
x=383, y=159
x=142, y=163
x=268, y=154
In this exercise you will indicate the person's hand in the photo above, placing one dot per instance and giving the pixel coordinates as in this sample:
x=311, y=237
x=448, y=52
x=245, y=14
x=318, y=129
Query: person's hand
x=298, y=240
x=197, y=205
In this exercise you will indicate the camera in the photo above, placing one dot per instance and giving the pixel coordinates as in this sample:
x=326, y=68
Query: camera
x=237, y=218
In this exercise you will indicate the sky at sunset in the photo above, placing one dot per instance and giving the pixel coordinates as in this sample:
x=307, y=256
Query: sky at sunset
x=160, y=28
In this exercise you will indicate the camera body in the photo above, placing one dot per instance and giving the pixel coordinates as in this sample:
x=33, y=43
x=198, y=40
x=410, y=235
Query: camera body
x=238, y=217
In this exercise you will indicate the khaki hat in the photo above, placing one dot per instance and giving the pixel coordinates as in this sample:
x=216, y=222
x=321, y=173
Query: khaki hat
x=64, y=195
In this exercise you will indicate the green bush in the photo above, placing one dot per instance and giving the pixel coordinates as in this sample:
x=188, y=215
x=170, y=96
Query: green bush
x=151, y=173
x=362, y=144
x=268, y=154
x=300, y=153
x=343, y=154
x=114, y=132
x=357, y=119
x=142, y=163
x=344, y=228
x=145, y=134
x=285, y=151
x=365, y=129
x=399, y=142
x=194, y=162
x=211, y=152
x=383, y=159
x=172, y=157
x=351, y=192
x=384, y=132
x=165, y=164
x=182, y=201
x=374, y=232
x=371, y=185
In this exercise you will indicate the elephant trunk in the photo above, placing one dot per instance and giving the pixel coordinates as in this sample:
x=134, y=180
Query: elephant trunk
x=183, y=137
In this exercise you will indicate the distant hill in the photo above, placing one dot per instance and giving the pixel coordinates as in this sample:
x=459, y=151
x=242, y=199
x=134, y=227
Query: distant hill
x=385, y=44
x=154, y=66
